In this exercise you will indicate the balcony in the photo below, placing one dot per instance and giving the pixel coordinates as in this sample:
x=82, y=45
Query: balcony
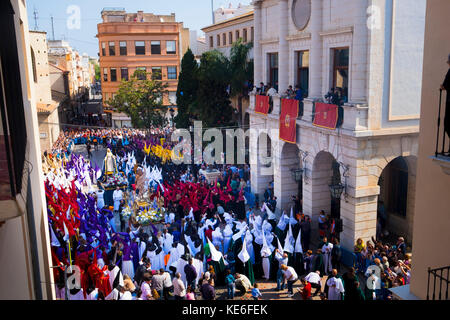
x=352, y=117
x=438, y=281
x=442, y=151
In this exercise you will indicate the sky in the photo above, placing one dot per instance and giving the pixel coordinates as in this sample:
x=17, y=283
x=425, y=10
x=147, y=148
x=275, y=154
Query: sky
x=195, y=14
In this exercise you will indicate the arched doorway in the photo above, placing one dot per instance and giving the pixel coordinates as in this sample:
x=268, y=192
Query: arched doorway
x=265, y=166
x=325, y=172
x=396, y=200
x=288, y=188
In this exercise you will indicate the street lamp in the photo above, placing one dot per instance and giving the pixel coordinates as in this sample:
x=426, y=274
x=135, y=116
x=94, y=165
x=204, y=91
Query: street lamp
x=336, y=190
x=297, y=174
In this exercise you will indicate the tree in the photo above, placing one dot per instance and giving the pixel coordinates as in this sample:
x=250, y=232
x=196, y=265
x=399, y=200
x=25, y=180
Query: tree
x=241, y=70
x=142, y=100
x=187, y=89
x=212, y=105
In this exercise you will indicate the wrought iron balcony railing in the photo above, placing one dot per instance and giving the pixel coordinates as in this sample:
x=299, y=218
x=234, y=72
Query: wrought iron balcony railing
x=439, y=279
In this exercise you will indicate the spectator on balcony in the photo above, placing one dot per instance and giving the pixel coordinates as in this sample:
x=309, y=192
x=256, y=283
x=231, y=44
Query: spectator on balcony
x=261, y=90
x=289, y=92
x=446, y=86
x=271, y=91
x=298, y=93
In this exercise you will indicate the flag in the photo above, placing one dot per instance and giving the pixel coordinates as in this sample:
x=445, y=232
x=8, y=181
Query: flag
x=262, y=104
x=54, y=242
x=288, y=118
x=325, y=115
x=243, y=255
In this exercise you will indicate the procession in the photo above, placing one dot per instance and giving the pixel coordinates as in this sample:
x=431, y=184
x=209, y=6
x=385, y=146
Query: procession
x=139, y=227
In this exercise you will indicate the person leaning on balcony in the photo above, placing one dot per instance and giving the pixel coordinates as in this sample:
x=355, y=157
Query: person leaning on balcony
x=446, y=86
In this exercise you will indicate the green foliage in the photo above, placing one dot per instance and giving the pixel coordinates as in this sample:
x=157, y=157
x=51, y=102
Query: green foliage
x=141, y=100
x=187, y=89
x=212, y=105
x=204, y=91
x=241, y=68
x=97, y=72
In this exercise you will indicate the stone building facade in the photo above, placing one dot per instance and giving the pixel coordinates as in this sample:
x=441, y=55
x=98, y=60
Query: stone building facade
x=309, y=42
x=132, y=41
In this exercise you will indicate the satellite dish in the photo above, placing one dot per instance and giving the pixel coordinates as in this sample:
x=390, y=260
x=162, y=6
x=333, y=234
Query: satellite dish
x=301, y=13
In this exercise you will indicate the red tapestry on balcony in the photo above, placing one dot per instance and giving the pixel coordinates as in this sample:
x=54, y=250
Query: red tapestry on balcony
x=288, y=118
x=262, y=104
x=326, y=115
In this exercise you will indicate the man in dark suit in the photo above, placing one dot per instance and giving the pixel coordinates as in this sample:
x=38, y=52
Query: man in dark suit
x=446, y=86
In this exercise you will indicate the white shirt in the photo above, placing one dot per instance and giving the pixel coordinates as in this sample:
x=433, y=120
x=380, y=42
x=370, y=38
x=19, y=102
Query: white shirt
x=335, y=287
x=167, y=280
x=146, y=291
x=313, y=277
x=290, y=272
x=271, y=92
x=178, y=288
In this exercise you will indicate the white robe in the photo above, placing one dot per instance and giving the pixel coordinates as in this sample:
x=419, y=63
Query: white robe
x=335, y=288
x=326, y=250
x=167, y=242
x=117, y=197
x=217, y=239
x=112, y=276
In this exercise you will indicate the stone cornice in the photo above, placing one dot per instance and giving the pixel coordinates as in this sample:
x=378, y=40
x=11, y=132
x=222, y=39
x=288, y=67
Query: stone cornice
x=267, y=41
x=299, y=36
x=327, y=33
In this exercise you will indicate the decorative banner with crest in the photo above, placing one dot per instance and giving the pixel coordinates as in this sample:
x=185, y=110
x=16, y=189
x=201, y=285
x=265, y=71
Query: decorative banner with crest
x=288, y=118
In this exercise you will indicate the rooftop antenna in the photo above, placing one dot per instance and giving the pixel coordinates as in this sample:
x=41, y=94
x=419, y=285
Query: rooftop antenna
x=212, y=11
x=35, y=14
x=53, y=28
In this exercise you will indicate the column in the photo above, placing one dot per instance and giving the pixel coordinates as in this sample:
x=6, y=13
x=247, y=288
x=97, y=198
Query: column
x=283, y=47
x=315, y=57
x=257, y=58
x=358, y=60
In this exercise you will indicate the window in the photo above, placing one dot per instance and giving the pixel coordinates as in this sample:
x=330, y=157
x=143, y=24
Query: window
x=218, y=40
x=112, y=49
x=230, y=37
x=245, y=35
x=156, y=47
x=303, y=71
x=172, y=73
x=340, y=69
x=224, y=39
x=171, y=47
x=124, y=74
x=105, y=74
x=173, y=97
x=273, y=69
x=33, y=63
x=211, y=42
x=113, y=74
x=237, y=35
x=157, y=73
x=123, y=48
x=103, y=49
x=141, y=75
x=140, y=47
x=252, y=33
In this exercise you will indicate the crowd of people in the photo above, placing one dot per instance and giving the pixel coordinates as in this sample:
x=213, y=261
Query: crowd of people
x=214, y=235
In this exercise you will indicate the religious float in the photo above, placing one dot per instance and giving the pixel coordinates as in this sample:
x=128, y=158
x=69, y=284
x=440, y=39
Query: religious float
x=111, y=178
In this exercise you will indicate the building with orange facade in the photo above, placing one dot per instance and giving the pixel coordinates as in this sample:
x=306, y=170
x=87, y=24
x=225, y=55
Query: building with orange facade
x=131, y=41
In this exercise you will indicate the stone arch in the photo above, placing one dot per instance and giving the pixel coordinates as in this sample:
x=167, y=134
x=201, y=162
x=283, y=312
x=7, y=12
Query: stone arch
x=265, y=152
x=396, y=201
x=285, y=185
x=325, y=170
